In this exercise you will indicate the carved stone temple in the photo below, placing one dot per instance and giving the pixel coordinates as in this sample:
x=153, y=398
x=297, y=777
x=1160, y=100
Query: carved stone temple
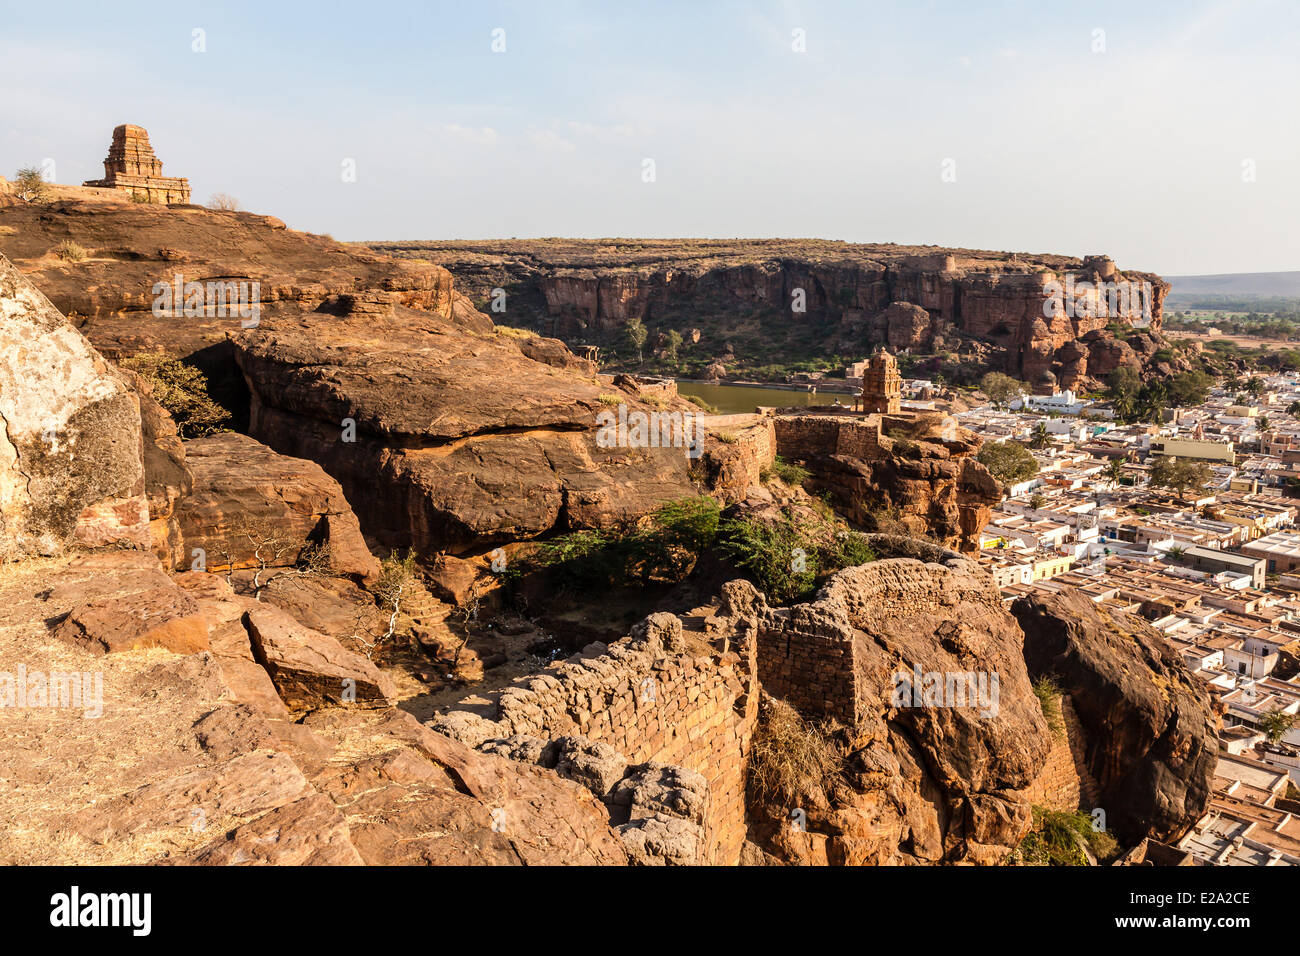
x=131, y=166
x=882, y=386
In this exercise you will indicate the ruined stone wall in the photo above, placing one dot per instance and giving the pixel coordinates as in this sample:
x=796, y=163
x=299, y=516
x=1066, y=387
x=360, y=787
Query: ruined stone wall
x=672, y=706
x=808, y=663
x=733, y=467
x=1064, y=783
x=807, y=436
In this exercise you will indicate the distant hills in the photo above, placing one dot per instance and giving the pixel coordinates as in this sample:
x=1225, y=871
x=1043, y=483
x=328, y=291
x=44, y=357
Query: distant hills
x=1254, y=291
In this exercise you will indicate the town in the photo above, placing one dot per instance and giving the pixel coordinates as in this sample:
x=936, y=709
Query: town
x=1191, y=524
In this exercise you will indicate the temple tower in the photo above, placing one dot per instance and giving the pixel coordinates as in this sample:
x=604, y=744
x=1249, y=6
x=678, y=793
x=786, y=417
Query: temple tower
x=132, y=167
x=882, y=386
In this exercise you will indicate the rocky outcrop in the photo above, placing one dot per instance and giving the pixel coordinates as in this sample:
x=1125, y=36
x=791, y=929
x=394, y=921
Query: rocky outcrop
x=71, y=468
x=854, y=297
x=182, y=765
x=924, y=667
x=310, y=669
x=252, y=508
x=445, y=439
x=1152, y=736
x=913, y=474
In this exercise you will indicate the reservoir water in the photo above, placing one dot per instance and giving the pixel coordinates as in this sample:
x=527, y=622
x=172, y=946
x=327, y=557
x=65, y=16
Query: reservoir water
x=735, y=399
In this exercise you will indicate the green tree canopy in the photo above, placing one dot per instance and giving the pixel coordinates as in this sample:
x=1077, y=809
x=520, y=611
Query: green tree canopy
x=1009, y=462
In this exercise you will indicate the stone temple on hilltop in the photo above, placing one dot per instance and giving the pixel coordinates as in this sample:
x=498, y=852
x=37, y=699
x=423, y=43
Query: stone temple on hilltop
x=132, y=167
x=882, y=386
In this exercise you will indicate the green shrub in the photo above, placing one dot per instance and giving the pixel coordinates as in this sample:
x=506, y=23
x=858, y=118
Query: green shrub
x=1049, y=701
x=792, y=474
x=775, y=555
x=1059, y=837
x=1008, y=461
x=183, y=391
x=664, y=547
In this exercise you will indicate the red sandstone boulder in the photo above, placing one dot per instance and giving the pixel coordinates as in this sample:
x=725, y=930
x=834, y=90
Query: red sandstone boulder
x=1152, y=735
x=119, y=601
x=311, y=669
x=163, y=617
x=252, y=507
x=907, y=326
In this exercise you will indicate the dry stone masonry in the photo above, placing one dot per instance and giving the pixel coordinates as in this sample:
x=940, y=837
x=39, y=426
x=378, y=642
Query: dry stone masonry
x=647, y=713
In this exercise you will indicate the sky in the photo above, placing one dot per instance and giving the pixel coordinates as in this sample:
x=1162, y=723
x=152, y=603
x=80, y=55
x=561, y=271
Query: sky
x=1163, y=134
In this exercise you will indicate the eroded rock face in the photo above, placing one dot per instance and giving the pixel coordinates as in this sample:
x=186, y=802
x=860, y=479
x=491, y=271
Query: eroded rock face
x=858, y=295
x=925, y=477
x=455, y=440
x=1152, y=736
x=933, y=775
x=251, y=507
x=184, y=765
x=71, y=469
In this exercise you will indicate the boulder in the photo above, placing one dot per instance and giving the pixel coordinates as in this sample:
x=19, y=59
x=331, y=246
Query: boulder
x=907, y=326
x=163, y=617
x=595, y=765
x=1152, y=737
x=251, y=506
x=311, y=669
x=71, y=459
x=930, y=777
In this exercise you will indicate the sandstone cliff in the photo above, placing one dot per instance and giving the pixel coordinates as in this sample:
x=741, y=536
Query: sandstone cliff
x=852, y=297
x=923, y=782
x=444, y=434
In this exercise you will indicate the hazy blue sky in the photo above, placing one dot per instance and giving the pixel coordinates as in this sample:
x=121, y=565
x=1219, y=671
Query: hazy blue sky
x=1136, y=151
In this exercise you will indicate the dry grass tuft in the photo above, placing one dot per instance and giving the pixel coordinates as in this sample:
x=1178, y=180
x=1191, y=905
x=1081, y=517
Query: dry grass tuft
x=790, y=756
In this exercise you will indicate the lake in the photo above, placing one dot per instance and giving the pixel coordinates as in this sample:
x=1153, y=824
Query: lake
x=736, y=399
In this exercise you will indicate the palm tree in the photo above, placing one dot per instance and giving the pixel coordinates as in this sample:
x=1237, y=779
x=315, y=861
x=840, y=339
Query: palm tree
x=1115, y=469
x=1124, y=404
x=1042, y=438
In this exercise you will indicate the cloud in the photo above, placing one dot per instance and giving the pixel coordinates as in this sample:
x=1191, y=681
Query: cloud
x=479, y=136
x=550, y=141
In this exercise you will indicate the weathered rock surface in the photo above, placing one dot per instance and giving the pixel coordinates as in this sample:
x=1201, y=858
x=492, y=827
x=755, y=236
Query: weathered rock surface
x=311, y=669
x=928, y=780
x=857, y=296
x=461, y=441
x=164, y=617
x=120, y=601
x=1152, y=736
x=177, y=767
x=251, y=507
x=917, y=471
x=71, y=469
